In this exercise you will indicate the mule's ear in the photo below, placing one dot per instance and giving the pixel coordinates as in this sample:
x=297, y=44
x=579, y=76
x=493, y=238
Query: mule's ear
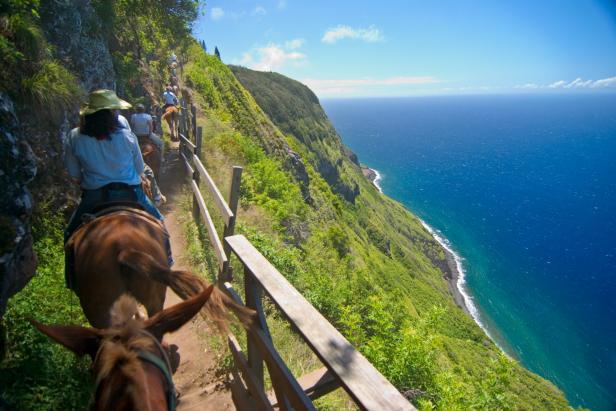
x=80, y=340
x=174, y=317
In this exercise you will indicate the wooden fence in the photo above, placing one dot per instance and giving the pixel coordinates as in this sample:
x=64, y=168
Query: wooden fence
x=343, y=366
x=191, y=155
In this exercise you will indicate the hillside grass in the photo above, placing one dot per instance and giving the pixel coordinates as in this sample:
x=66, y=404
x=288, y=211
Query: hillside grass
x=37, y=373
x=368, y=266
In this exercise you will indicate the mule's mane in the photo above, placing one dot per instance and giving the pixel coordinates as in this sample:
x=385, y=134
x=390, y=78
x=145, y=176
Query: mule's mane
x=117, y=361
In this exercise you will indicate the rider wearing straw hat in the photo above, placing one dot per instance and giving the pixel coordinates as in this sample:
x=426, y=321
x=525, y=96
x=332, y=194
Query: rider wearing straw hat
x=104, y=158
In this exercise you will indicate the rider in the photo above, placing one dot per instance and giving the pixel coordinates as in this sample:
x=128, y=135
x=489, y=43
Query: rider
x=169, y=97
x=142, y=125
x=104, y=159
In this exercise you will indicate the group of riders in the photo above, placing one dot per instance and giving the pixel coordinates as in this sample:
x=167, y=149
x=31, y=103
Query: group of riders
x=105, y=156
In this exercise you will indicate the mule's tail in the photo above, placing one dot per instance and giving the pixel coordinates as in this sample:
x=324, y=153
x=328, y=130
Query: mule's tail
x=186, y=284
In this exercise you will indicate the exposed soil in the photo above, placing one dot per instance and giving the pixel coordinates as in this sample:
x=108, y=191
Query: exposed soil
x=195, y=379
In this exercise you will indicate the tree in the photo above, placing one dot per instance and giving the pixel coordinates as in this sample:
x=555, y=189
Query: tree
x=203, y=45
x=217, y=53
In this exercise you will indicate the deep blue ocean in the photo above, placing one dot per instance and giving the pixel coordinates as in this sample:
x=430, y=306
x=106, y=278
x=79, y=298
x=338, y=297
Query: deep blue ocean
x=524, y=188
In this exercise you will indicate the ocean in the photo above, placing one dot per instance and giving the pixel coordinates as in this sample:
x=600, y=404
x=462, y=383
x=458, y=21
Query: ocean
x=523, y=189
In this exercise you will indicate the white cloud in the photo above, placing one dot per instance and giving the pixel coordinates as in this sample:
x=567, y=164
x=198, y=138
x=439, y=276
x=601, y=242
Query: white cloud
x=558, y=84
x=347, y=86
x=578, y=83
x=217, y=13
x=246, y=60
x=528, y=86
x=369, y=35
x=259, y=11
x=273, y=56
x=294, y=44
x=606, y=82
x=282, y=4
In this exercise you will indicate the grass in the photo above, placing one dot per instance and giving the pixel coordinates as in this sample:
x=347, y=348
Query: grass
x=296, y=354
x=38, y=373
x=368, y=266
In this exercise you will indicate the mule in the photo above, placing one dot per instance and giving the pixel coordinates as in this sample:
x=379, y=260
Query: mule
x=124, y=251
x=151, y=155
x=170, y=116
x=131, y=369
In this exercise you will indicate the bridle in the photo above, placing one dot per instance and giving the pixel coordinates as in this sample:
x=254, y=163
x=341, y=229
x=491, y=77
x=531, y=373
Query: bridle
x=164, y=365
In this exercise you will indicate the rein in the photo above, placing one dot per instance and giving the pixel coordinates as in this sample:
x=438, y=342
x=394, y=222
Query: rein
x=164, y=365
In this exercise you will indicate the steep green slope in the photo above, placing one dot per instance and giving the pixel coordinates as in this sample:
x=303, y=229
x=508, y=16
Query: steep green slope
x=295, y=109
x=367, y=264
x=359, y=257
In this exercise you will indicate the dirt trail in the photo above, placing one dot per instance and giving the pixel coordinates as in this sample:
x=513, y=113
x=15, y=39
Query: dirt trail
x=195, y=379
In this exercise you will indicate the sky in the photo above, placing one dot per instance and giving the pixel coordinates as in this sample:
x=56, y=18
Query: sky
x=405, y=48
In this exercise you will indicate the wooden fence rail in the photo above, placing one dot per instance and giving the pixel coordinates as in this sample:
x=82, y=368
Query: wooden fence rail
x=191, y=155
x=343, y=366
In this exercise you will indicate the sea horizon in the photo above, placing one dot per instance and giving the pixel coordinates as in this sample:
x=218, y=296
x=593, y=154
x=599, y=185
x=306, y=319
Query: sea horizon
x=493, y=177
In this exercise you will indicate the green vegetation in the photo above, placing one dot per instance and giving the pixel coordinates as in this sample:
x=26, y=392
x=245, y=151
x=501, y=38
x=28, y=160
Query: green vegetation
x=360, y=258
x=367, y=264
x=141, y=35
x=37, y=373
x=30, y=73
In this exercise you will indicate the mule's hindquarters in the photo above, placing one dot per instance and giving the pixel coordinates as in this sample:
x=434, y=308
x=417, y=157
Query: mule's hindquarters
x=101, y=279
x=152, y=157
x=170, y=117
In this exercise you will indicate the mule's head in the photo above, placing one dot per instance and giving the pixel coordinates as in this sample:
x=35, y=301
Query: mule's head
x=130, y=366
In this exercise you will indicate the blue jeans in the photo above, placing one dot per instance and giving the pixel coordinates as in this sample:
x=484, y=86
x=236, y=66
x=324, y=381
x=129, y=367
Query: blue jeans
x=90, y=199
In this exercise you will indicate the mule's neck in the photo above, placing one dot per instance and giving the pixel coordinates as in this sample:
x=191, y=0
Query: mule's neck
x=143, y=391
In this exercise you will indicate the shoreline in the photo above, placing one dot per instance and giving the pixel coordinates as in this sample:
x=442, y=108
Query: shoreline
x=373, y=176
x=455, y=277
x=454, y=274
x=453, y=270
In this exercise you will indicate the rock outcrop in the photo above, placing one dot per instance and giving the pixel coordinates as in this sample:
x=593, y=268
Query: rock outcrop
x=31, y=141
x=74, y=28
x=17, y=169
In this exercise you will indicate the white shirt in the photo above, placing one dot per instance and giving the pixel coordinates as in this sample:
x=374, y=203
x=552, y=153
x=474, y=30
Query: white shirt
x=141, y=123
x=170, y=98
x=99, y=162
x=123, y=122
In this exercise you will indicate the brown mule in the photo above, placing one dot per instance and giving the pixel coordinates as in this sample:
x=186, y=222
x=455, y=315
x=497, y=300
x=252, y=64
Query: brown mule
x=130, y=366
x=124, y=252
x=151, y=155
x=170, y=116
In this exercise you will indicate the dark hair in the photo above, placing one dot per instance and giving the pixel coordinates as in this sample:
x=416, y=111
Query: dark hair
x=99, y=124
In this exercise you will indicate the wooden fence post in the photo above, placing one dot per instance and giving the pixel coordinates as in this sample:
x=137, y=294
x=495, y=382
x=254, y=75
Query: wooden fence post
x=253, y=300
x=183, y=117
x=193, y=112
x=196, y=176
x=229, y=230
x=158, y=116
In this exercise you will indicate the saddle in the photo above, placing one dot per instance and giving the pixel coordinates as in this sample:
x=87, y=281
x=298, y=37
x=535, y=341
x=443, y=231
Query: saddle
x=102, y=210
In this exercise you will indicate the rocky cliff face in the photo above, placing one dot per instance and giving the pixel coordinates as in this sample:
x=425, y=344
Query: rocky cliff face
x=74, y=28
x=17, y=169
x=31, y=141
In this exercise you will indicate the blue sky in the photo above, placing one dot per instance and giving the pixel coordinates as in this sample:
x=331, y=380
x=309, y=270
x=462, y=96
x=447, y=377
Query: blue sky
x=403, y=48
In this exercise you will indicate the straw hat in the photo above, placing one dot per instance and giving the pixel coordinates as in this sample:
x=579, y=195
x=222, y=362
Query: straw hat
x=101, y=100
